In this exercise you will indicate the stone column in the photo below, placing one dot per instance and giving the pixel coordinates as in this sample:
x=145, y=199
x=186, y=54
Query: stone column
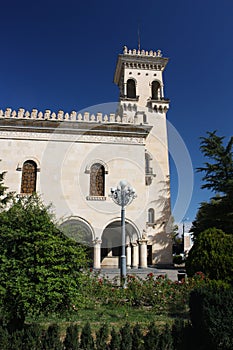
x=143, y=253
x=97, y=253
x=128, y=256
x=135, y=258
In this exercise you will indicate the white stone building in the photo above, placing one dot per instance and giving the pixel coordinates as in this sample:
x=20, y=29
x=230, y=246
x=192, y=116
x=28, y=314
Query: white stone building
x=74, y=159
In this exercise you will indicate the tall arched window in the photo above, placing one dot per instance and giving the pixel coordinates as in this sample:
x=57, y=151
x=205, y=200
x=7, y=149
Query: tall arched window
x=155, y=90
x=147, y=163
x=29, y=172
x=151, y=216
x=131, y=88
x=97, y=180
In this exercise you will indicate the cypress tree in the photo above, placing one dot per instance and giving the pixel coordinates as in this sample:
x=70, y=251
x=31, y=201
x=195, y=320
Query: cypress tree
x=32, y=337
x=71, y=341
x=137, y=338
x=86, y=339
x=115, y=340
x=126, y=337
x=51, y=340
x=152, y=337
x=102, y=338
x=165, y=339
x=4, y=338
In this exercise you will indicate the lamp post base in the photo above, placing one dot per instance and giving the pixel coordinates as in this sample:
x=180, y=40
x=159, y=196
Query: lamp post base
x=123, y=271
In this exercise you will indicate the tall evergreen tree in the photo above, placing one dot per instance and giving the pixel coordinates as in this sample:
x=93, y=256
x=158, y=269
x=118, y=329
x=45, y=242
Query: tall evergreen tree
x=137, y=338
x=102, y=337
x=151, y=339
x=51, y=339
x=86, y=339
x=218, y=177
x=71, y=341
x=126, y=337
x=115, y=340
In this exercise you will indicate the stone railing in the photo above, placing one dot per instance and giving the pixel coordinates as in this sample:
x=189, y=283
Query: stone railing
x=62, y=116
x=157, y=53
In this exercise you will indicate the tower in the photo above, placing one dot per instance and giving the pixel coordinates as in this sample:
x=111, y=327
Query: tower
x=139, y=76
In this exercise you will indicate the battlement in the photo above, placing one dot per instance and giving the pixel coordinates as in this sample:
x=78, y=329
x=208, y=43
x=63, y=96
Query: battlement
x=152, y=53
x=73, y=116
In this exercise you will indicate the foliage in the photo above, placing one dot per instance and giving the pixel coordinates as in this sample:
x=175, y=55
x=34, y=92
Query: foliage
x=137, y=338
x=152, y=337
x=102, y=337
x=115, y=340
x=39, y=266
x=218, y=177
x=71, y=341
x=178, y=259
x=218, y=171
x=211, y=310
x=86, y=339
x=126, y=337
x=212, y=254
x=51, y=339
x=5, y=196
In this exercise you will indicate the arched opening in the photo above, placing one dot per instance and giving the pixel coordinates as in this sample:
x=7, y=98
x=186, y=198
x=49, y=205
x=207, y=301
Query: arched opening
x=29, y=173
x=131, y=88
x=80, y=232
x=151, y=216
x=155, y=90
x=97, y=180
x=111, y=242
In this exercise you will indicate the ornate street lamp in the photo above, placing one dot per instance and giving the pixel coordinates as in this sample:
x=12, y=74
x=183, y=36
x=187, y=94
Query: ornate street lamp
x=123, y=195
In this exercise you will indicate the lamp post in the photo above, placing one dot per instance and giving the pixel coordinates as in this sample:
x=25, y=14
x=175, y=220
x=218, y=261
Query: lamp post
x=123, y=195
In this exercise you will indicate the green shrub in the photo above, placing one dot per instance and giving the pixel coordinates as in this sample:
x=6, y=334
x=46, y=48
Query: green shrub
x=86, y=339
x=137, y=338
x=71, y=341
x=152, y=337
x=177, y=259
x=211, y=310
x=102, y=337
x=115, y=340
x=51, y=339
x=126, y=337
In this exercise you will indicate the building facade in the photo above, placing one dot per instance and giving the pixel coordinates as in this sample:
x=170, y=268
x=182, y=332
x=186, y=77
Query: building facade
x=74, y=159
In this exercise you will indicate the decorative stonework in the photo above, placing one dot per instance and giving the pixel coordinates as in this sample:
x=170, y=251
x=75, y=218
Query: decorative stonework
x=70, y=138
x=62, y=116
x=152, y=53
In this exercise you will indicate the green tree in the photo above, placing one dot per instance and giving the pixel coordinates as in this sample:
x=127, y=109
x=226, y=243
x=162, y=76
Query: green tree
x=5, y=196
x=102, y=337
x=151, y=339
x=126, y=337
x=39, y=265
x=137, y=338
x=218, y=177
x=212, y=255
x=211, y=310
x=86, y=339
x=71, y=341
x=51, y=340
x=115, y=340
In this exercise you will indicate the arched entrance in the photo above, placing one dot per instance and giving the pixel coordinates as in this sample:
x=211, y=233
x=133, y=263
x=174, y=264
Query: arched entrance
x=80, y=231
x=111, y=243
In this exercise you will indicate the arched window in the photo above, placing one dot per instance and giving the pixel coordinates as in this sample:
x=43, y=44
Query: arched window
x=151, y=216
x=28, y=183
x=147, y=163
x=131, y=88
x=155, y=90
x=97, y=180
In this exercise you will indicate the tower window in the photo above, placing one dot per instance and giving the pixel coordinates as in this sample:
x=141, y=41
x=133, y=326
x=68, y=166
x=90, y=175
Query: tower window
x=131, y=88
x=28, y=183
x=151, y=216
x=97, y=180
x=155, y=90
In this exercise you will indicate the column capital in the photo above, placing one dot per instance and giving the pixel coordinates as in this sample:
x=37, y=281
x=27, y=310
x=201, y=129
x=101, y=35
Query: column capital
x=142, y=241
x=97, y=241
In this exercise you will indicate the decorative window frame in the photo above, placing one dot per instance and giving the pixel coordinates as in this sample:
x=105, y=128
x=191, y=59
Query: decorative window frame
x=88, y=171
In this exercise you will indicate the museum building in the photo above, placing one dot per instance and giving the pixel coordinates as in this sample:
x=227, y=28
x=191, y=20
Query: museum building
x=74, y=159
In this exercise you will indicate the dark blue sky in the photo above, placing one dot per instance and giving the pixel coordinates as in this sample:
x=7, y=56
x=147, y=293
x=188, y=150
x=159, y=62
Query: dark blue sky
x=62, y=55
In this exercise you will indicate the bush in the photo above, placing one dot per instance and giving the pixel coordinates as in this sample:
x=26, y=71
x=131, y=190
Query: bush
x=51, y=339
x=71, y=341
x=211, y=310
x=212, y=254
x=178, y=259
x=86, y=340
